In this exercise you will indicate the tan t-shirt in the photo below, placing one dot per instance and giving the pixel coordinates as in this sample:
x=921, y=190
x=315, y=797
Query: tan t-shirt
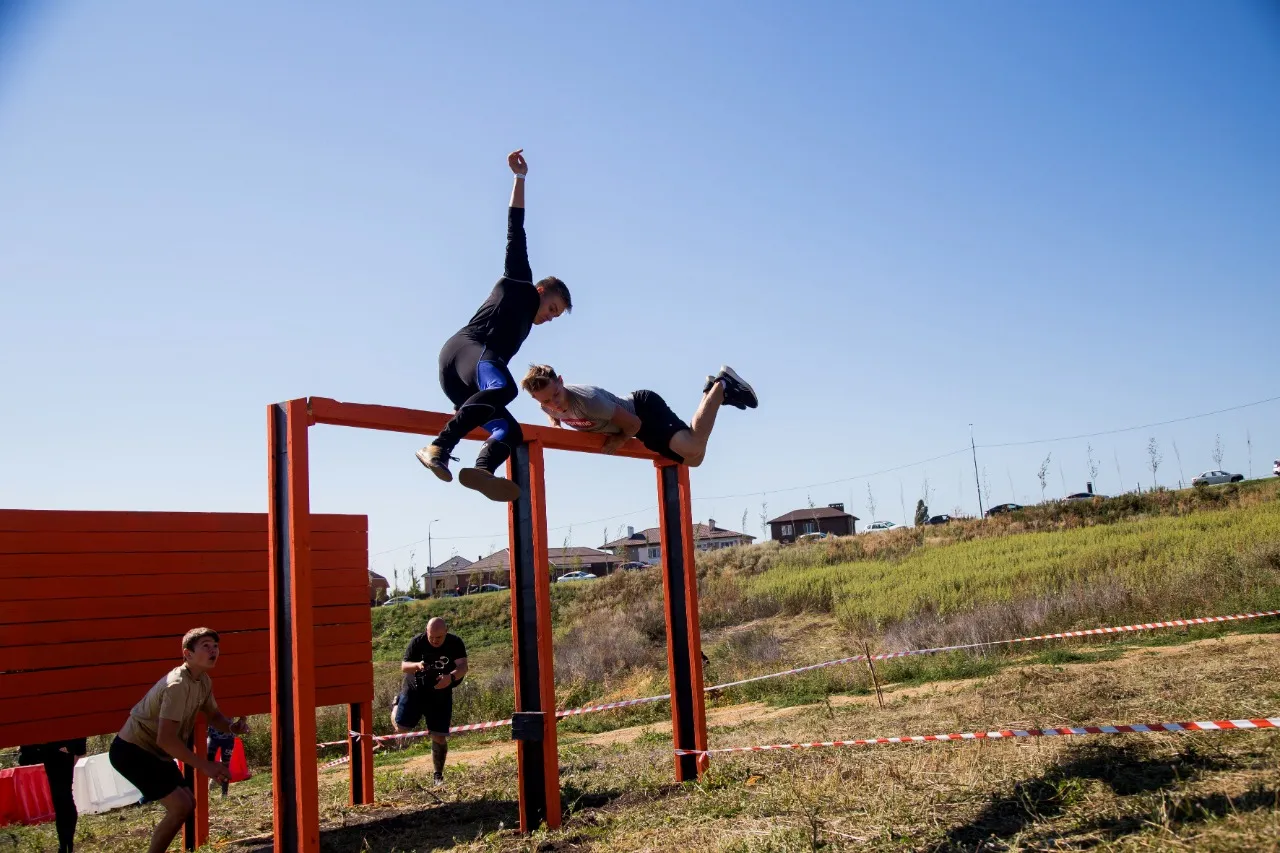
x=179, y=696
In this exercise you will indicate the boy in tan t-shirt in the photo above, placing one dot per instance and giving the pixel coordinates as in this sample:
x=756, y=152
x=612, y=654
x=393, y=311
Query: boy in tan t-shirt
x=159, y=727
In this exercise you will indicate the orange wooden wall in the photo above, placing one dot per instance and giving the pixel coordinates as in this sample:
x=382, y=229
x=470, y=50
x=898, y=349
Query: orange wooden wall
x=93, y=606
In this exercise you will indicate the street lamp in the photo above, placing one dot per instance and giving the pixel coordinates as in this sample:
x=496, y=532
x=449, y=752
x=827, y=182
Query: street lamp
x=430, y=562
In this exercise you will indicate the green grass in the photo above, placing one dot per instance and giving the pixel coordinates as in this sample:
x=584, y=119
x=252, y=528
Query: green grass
x=1160, y=558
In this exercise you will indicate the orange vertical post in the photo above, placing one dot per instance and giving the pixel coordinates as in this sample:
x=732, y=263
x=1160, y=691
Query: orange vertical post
x=684, y=635
x=293, y=695
x=195, y=831
x=360, y=719
x=537, y=758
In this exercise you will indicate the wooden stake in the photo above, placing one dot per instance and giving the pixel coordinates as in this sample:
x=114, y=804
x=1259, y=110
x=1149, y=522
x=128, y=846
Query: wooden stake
x=875, y=682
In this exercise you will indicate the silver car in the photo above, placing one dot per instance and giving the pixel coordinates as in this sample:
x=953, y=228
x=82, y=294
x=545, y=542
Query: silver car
x=1214, y=478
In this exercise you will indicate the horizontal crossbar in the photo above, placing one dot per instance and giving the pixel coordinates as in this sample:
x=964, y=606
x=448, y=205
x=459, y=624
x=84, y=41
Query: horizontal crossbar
x=322, y=410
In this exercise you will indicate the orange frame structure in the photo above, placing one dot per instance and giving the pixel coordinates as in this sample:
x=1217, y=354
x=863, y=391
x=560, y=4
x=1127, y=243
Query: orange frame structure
x=297, y=827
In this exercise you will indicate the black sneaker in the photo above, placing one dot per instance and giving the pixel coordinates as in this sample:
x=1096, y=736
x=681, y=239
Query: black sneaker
x=492, y=487
x=438, y=779
x=736, y=391
x=710, y=383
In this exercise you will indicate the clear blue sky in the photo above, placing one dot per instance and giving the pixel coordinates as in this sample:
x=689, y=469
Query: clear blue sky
x=895, y=219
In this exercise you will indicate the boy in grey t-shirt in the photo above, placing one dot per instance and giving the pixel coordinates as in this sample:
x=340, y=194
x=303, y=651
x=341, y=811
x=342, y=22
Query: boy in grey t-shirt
x=641, y=414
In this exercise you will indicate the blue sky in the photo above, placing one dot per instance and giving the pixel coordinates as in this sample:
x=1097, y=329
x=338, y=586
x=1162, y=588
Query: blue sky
x=895, y=219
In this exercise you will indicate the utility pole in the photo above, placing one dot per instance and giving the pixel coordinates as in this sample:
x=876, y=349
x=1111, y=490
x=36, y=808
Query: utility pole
x=431, y=565
x=977, y=482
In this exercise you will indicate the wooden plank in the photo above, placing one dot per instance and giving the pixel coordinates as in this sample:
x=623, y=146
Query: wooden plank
x=393, y=419
x=333, y=596
x=168, y=626
x=347, y=614
x=75, y=725
x=41, y=682
x=170, y=563
x=70, y=521
x=56, y=655
x=344, y=694
x=196, y=607
x=336, y=635
x=207, y=585
x=344, y=653
x=26, y=542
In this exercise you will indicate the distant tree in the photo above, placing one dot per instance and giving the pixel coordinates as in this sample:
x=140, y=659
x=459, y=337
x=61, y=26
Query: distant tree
x=1154, y=458
x=1093, y=466
x=986, y=486
x=871, y=503
x=1217, y=452
x=922, y=514
x=1043, y=474
x=764, y=518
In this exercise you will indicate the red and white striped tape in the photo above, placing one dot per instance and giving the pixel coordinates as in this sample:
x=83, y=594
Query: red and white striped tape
x=1200, y=726
x=1088, y=632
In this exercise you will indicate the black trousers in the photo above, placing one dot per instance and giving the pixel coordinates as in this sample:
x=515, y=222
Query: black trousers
x=60, y=767
x=480, y=387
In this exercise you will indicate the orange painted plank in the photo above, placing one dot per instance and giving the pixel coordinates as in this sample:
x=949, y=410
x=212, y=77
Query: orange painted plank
x=101, y=630
x=346, y=614
x=69, y=521
x=345, y=653
x=124, y=564
x=26, y=542
x=331, y=596
x=326, y=411
x=338, y=635
x=105, y=607
x=171, y=563
x=344, y=694
x=41, y=682
x=209, y=586
x=76, y=725
x=56, y=655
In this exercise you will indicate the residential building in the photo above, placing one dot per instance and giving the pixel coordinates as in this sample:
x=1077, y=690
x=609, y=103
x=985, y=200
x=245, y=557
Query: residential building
x=378, y=587
x=496, y=567
x=831, y=519
x=645, y=546
x=450, y=574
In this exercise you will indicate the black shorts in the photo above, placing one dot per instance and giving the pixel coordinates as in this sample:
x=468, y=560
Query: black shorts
x=658, y=424
x=155, y=777
x=435, y=705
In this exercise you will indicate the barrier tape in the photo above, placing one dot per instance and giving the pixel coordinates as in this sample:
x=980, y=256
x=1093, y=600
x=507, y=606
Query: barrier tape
x=1062, y=635
x=1200, y=726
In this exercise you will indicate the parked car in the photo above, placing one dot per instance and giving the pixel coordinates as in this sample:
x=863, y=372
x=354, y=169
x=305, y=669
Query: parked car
x=878, y=526
x=576, y=576
x=1083, y=496
x=1214, y=478
x=1276, y=469
x=399, y=599
x=999, y=509
x=491, y=587
x=811, y=537
x=451, y=593
x=939, y=519
x=633, y=566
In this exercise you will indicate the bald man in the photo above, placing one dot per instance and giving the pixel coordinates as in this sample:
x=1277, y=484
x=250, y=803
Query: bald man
x=434, y=663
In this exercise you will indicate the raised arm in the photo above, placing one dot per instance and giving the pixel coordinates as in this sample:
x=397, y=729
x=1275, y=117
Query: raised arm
x=517, y=261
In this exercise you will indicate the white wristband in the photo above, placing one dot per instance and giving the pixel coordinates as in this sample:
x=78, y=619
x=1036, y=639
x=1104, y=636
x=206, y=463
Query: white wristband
x=519, y=177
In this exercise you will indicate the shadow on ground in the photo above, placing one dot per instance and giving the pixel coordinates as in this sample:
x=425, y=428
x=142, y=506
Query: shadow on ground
x=1127, y=769
x=428, y=828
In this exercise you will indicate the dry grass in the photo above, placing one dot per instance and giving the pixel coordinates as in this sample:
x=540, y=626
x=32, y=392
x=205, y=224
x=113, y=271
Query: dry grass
x=1214, y=792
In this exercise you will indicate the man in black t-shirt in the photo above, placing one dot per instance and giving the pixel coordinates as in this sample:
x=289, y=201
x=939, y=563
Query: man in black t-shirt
x=434, y=663
x=473, y=363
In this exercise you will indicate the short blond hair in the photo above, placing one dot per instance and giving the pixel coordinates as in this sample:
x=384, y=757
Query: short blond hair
x=538, y=377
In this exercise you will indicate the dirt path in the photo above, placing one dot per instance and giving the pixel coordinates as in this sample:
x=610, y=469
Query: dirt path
x=759, y=711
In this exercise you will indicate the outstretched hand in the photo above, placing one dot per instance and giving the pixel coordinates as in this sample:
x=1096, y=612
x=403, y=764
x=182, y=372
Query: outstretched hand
x=613, y=443
x=517, y=162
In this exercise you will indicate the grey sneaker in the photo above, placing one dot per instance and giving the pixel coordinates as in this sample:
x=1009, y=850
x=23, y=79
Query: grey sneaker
x=493, y=488
x=736, y=390
x=438, y=779
x=710, y=383
x=436, y=460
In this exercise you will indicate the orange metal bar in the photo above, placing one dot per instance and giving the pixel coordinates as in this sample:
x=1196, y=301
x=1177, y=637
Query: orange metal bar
x=195, y=831
x=325, y=411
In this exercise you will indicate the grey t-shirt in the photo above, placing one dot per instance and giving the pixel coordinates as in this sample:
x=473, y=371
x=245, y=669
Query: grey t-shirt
x=589, y=408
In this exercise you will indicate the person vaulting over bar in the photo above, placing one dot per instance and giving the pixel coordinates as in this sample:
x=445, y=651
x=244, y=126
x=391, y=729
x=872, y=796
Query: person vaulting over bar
x=473, y=363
